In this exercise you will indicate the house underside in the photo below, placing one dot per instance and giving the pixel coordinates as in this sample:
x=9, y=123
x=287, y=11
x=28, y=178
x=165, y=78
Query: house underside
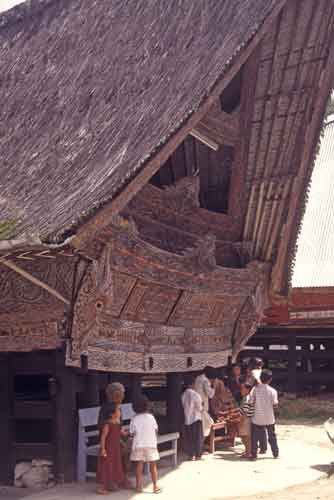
x=166, y=196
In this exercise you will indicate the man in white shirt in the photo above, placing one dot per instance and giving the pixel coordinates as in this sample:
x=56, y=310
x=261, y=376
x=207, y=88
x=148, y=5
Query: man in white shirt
x=193, y=433
x=204, y=388
x=264, y=398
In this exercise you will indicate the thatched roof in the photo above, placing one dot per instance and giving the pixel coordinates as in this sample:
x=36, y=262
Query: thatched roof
x=90, y=90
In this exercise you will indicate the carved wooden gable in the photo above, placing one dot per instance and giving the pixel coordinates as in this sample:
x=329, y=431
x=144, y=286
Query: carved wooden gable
x=144, y=309
x=30, y=316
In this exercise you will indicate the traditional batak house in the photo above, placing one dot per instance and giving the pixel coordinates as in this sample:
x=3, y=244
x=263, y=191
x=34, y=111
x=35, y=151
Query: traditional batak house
x=154, y=164
x=301, y=325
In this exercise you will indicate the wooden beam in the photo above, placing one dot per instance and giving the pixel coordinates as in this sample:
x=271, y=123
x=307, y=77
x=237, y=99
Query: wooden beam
x=92, y=389
x=174, y=405
x=203, y=136
x=34, y=280
x=136, y=390
x=66, y=420
x=217, y=128
x=103, y=216
x=222, y=126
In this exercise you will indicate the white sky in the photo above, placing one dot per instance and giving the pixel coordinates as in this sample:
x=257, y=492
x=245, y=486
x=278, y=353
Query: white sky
x=7, y=4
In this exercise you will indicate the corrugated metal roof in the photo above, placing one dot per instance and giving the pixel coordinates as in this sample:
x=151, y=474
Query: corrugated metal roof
x=315, y=255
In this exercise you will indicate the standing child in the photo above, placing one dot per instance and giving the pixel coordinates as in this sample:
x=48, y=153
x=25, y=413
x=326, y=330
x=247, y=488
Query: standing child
x=264, y=398
x=193, y=412
x=110, y=474
x=144, y=429
x=246, y=411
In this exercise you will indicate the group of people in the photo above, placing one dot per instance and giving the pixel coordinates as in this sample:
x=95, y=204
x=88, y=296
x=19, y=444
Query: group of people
x=244, y=400
x=117, y=450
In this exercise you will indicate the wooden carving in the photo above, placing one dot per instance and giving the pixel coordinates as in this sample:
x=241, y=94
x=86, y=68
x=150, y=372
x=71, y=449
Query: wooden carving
x=183, y=196
x=27, y=335
x=18, y=295
x=203, y=255
x=246, y=326
x=94, y=297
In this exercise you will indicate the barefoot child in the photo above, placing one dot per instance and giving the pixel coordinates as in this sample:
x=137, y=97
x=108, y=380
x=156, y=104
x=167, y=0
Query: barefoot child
x=110, y=474
x=144, y=429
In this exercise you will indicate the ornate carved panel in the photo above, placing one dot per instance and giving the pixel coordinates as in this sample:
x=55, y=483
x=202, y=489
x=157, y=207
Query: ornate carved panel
x=26, y=336
x=158, y=204
x=143, y=309
x=123, y=286
x=246, y=326
x=137, y=258
x=204, y=310
x=134, y=347
x=149, y=302
x=18, y=295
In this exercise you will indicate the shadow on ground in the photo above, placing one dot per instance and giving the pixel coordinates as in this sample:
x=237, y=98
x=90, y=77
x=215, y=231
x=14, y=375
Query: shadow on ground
x=325, y=468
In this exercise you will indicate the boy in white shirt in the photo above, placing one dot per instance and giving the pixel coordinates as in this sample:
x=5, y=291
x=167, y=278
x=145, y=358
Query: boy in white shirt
x=193, y=428
x=264, y=398
x=144, y=429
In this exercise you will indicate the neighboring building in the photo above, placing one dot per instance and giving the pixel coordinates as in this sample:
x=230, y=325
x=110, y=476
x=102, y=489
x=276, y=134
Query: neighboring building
x=160, y=157
x=305, y=319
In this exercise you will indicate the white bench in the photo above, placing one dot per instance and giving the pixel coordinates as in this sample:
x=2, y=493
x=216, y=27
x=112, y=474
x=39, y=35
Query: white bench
x=88, y=418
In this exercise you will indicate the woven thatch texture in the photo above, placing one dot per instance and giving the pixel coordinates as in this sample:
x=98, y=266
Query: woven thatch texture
x=293, y=57
x=90, y=89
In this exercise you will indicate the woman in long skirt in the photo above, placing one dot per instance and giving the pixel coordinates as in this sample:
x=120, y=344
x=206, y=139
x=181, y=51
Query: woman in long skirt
x=110, y=473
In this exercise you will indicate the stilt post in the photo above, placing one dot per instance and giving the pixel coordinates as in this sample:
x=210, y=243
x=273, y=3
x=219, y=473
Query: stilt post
x=66, y=420
x=6, y=455
x=292, y=364
x=174, y=404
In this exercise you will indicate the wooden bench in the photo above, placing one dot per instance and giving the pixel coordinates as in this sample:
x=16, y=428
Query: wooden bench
x=87, y=430
x=213, y=438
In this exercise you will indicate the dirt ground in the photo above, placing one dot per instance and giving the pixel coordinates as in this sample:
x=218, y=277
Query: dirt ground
x=318, y=490
x=303, y=471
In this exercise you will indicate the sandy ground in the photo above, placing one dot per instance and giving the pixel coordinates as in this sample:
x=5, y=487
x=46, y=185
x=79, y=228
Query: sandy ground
x=299, y=474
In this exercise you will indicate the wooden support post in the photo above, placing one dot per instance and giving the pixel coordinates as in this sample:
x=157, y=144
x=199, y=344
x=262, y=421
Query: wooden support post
x=66, y=420
x=174, y=404
x=135, y=389
x=292, y=364
x=92, y=389
x=6, y=456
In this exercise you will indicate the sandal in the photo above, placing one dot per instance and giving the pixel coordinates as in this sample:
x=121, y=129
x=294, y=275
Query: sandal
x=157, y=490
x=101, y=491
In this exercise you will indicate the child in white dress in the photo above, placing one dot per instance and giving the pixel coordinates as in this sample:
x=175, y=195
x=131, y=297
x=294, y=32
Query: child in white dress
x=144, y=429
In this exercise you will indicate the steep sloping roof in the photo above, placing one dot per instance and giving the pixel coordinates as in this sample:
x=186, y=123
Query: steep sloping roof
x=89, y=90
x=314, y=265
